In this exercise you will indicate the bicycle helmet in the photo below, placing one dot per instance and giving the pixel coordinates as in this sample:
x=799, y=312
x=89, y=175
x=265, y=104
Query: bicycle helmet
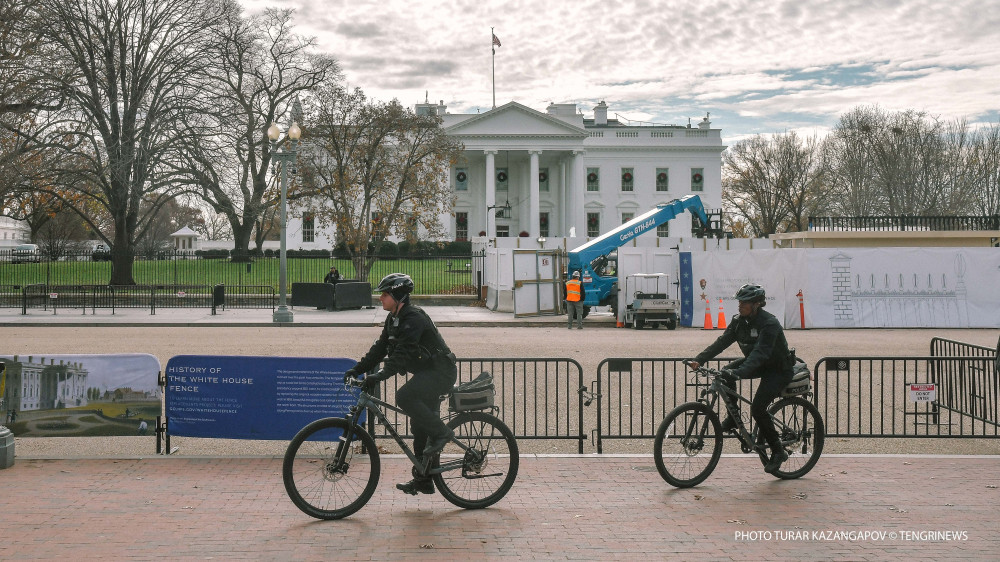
x=750, y=292
x=399, y=285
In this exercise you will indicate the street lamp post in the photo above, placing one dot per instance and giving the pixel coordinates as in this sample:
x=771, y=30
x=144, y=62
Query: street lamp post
x=286, y=157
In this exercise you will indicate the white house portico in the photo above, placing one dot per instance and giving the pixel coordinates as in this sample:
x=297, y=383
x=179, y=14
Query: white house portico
x=558, y=173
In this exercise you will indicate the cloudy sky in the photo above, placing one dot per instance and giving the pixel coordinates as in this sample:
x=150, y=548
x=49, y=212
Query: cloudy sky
x=758, y=66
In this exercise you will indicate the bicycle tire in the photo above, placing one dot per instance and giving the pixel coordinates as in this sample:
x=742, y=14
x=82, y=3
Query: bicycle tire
x=314, y=480
x=489, y=467
x=802, y=432
x=679, y=448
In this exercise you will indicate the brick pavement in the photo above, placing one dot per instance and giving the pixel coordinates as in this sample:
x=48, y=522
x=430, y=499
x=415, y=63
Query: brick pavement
x=560, y=508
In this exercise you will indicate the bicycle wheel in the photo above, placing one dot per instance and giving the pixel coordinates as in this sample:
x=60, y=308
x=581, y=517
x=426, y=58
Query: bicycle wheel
x=326, y=476
x=802, y=434
x=488, y=466
x=688, y=444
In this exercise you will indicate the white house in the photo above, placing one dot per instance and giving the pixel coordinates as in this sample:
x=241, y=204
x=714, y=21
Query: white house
x=557, y=173
x=13, y=232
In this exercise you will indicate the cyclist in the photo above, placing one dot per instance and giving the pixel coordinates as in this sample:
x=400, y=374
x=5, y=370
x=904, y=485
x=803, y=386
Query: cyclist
x=766, y=355
x=410, y=342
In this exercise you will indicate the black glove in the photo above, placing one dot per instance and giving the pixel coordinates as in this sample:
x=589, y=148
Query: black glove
x=371, y=382
x=728, y=375
x=350, y=374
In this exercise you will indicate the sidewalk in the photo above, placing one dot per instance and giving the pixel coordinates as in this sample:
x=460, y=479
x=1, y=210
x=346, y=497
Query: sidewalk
x=571, y=507
x=443, y=315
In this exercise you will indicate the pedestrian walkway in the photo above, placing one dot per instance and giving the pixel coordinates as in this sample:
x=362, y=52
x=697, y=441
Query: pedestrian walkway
x=443, y=315
x=561, y=507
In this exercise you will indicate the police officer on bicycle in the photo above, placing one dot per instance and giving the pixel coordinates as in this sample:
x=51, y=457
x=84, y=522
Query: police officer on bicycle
x=411, y=343
x=766, y=355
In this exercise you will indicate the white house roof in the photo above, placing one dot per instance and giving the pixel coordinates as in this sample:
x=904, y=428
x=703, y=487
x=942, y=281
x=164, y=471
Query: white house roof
x=515, y=120
x=184, y=232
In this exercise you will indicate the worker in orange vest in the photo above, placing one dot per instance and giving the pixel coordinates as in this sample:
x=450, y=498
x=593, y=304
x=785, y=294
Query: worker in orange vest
x=574, y=301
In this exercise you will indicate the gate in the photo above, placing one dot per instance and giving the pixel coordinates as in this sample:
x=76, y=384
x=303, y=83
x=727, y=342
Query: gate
x=536, y=282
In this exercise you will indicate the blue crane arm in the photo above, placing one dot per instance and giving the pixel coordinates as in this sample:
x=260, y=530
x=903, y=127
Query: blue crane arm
x=602, y=245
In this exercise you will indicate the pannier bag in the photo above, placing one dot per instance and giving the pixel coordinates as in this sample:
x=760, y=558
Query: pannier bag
x=477, y=394
x=801, y=382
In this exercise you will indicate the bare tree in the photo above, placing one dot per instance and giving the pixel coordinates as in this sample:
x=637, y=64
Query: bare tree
x=983, y=165
x=259, y=68
x=132, y=84
x=897, y=163
x=772, y=183
x=375, y=169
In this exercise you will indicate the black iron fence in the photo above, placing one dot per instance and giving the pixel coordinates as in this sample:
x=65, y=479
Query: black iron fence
x=56, y=297
x=537, y=398
x=905, y=223
x=433, y=275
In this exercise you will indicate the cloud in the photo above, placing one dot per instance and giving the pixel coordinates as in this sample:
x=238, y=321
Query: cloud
x=755, y=65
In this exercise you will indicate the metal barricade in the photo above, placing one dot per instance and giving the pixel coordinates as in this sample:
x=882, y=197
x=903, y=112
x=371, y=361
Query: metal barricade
x=930, y=396
x=634, y=395
x=537, y=398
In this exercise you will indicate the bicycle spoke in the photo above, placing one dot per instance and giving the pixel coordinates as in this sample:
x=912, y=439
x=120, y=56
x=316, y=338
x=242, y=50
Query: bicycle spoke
x=488, y=461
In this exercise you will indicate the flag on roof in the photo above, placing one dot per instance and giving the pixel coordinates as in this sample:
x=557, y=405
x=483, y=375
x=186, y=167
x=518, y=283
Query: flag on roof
x=495, y=40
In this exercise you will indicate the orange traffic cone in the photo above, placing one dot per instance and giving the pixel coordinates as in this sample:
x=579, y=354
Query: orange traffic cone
x=708, y=316
x=722, y=317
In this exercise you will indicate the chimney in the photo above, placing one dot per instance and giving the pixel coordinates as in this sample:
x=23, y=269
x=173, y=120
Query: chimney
x=601, y=114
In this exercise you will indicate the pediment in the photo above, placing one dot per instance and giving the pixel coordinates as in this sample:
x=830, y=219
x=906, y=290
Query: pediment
x=515, y=120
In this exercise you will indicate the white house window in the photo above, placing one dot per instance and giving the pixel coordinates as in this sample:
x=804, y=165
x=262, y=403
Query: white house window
x=627, y=217
x=628, y=183
x=461, y=226
x=503, y=231
x=663, y=230
x=697, y=179
x=308, y=227
x=593, y=179
x=502, y=179
x=543, y=179
x=663, y=179
x=461, y=179
x=543, y=224
x=593, y=225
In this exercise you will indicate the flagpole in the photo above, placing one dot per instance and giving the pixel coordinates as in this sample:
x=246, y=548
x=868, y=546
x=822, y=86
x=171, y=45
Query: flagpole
x=494, y=64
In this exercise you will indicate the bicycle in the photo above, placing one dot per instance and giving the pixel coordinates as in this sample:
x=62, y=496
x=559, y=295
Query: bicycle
x=688, y=442
x=332, y=467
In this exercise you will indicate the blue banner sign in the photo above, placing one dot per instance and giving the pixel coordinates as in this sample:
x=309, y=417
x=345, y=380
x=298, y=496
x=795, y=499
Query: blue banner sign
x=234, y=397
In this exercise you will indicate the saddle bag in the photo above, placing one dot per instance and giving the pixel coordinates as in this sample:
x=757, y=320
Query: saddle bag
x=801, y=382
x=477, y=394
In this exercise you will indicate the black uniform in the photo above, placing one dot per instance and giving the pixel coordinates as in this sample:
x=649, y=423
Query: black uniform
x=410, y=342
x=766, y=355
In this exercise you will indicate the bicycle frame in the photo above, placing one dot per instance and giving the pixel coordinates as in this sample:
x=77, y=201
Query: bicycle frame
x=715, y=389
x=374, y=407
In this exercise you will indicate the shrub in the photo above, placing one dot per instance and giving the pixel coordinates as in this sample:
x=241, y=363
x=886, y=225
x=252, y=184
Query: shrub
x=388, y=250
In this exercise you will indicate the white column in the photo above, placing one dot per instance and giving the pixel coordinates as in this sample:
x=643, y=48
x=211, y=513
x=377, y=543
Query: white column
x=533, y=198
x=491, y=194
x=564, y=199
x=578, y=188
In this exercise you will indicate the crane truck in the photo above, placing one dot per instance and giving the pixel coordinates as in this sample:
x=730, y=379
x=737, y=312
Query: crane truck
x=598, y=268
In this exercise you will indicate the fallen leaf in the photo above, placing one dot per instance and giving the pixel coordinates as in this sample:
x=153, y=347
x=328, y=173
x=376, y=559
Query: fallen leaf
x=431, y=545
